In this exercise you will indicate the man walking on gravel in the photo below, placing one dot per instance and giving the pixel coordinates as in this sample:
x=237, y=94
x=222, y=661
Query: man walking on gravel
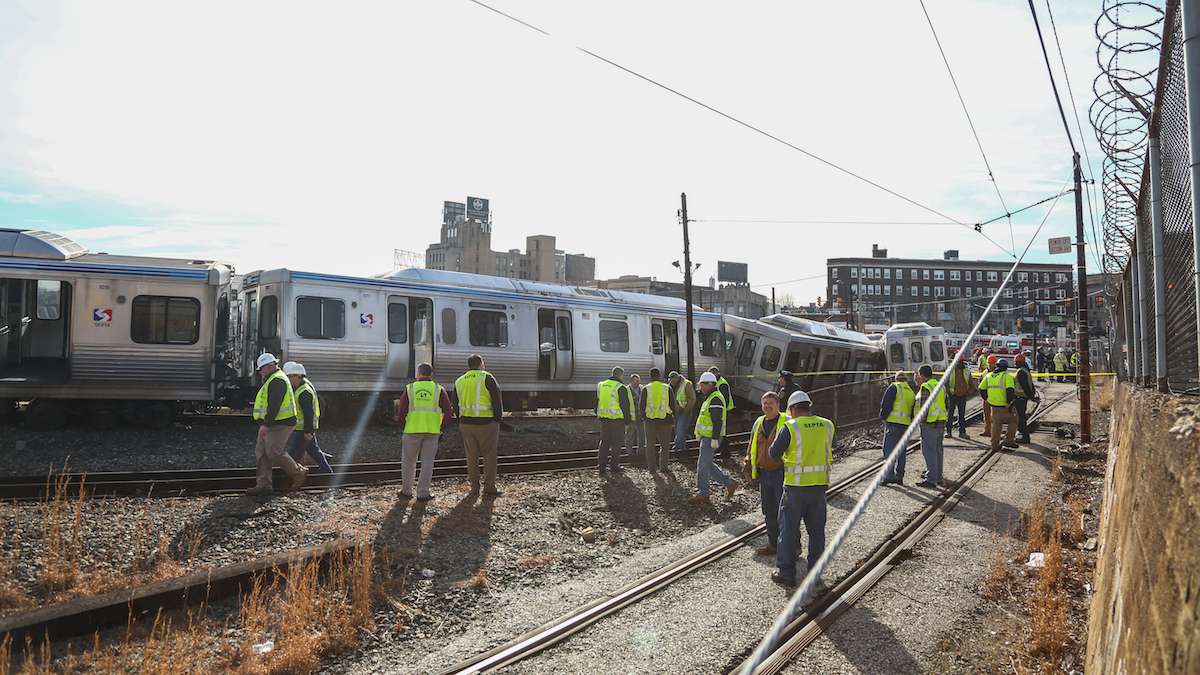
x=998, y=391
x=614, y=408
x=656, y=411
x=478, y=406
x=275, y=411
x=683, y=405
x=805, y=446
x=710, y=429
x=422, y=411
x=308, y=418
x=764, y=468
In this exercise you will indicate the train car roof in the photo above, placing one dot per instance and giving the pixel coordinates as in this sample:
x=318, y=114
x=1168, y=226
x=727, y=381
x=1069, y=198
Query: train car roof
x=47, y=251
x=808, y=329
x=502, y=288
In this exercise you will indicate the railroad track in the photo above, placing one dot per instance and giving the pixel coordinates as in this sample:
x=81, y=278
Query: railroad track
x=824, y=610
x=180, y=482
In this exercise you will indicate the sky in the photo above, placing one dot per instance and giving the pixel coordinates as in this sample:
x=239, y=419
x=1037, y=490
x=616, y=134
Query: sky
x=322, y=136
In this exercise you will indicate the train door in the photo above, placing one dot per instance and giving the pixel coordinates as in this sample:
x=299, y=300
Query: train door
x=409, y=335
x=250, y=351
x=556, y=345
x=743, y=367
x=896, y=359
x=664, y=343
x=36, y=314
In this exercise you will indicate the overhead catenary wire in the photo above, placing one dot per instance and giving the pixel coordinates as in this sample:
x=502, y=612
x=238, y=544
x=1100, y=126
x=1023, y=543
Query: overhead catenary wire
x=1050, y=71
x=805, y=592
x=970, y=122
x=747, y=125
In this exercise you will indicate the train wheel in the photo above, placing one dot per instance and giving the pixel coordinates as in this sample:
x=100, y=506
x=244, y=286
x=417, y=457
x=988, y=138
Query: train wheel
x=102, y=419
x=46, y=414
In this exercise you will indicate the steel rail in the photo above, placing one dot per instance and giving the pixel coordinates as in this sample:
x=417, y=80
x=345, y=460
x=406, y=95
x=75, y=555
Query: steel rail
x=555, y=631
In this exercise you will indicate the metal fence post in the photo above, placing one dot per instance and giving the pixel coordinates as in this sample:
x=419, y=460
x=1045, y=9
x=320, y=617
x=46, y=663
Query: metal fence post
x=1131, y=342
x=1160, y=284
x=1191, y=61
x=1143, y=322
x=1136, y=299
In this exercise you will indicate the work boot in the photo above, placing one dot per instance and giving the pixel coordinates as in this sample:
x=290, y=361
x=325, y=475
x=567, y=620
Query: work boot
x=962, y=434
x=732, y=489
x=765, y=550
x=257, y=492
x=1009, y=444
x=782, y=580
x=1025, y=439
x=699, y=499
x=298, y=480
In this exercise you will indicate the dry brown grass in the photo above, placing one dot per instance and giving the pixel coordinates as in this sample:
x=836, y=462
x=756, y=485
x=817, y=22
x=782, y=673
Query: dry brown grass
x=1102, y=393
x=998, y=581
x=60, y=534
x=1056, y=470
x=1076, y=531
x=1035, y=526
x=537, y=561
x=1050, y=637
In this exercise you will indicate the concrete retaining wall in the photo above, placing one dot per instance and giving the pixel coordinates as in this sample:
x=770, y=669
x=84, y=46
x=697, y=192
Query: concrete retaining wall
x=1144, y=614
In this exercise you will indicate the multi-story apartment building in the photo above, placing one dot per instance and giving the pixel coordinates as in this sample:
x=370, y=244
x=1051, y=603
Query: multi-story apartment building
x=952, y=293
x=735, y=299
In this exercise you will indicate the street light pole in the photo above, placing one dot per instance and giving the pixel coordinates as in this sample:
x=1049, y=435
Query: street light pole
x=687, y=287
x=1082, y=343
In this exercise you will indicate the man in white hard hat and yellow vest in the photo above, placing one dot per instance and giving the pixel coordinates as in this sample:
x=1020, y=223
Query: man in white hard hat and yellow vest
x=308, y=418
x=422, y=411
x=275, y=411
x=711, y=424
x=804, y=444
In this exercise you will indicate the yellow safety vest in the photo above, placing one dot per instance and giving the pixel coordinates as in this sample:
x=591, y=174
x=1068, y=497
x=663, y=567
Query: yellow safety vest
x=937, y=411
x=1060, y=361
x=781, y=420
x=810, y=451
x=729, y=403
x=704, y=423
x=424, y=414
x=307, y=386
x=996, y=385
x=681, y=392
x=287, y=407
x=902, y=407
x=657, y=407
x=608, y=401
x=982, y=363
x=474, y=400
x=1075, y=360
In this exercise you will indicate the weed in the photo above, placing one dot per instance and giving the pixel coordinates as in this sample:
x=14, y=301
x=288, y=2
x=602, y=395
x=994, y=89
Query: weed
x=536, y=561
x=1076, y=531
x=999, y=576
x=60, y=534
x=1035, y=519
x=1050, y=632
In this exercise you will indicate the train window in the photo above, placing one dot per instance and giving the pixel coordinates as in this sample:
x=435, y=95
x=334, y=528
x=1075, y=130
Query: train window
x=49, y=300
x=897, y=354
x=656, y=338
x=222, y=329
x=770, y=358
x=917, y=352
x=397, y=322
x=710, y=341
x=449, y=326
x=936, y=351
x=268, y=317
x=319, y=318
x=160, y=320
x=746, y=355
x=564, y=333
x=729, y=342
x=614, y=336
x=487, y=329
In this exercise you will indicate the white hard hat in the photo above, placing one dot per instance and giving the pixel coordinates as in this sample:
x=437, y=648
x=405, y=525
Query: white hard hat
x=266, y=359
x=708, y=377
x=293, y=368
x=798, y=398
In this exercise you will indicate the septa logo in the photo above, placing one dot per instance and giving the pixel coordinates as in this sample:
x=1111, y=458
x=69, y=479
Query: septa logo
x=366, y=320
x=100, y=315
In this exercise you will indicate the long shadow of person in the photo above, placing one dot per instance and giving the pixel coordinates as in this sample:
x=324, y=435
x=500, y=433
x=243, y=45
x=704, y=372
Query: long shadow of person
x=399, y=537
x=461, y=539
x=626, y=502
x=870, y=645
x=222, y=517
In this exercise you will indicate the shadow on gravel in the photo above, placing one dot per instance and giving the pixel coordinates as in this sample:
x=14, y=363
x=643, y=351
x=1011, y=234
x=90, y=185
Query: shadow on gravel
x=213, y=525
x=870, y=645
x=671, y=494
x=462, y=538
x=625, y=501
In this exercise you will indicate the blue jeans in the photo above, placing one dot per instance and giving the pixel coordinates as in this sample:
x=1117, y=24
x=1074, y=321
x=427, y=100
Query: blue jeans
x=683, y=426
x=297, y=446
x=956, y=404
x=770, y=489
x=891, y=436
x=931, y=450
x=805, y=503
x=707, y=470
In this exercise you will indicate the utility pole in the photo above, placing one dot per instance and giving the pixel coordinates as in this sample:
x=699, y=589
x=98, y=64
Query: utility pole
x=687, y=287
x=772, y=299
x=1082, y=343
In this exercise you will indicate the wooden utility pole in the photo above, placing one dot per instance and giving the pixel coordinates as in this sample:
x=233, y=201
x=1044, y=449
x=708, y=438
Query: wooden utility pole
x=687, y=287
x=1082, y=342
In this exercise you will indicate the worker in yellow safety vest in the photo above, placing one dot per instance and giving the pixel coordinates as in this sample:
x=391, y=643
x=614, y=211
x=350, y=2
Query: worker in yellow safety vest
x=275, y=411
x=998, y=391
x=987, y=410
x=805, y=446
x=478, y=404
x=308, y=418
x=896, y=412
x=656, y=412
x=764, y=468
x=723, y=387
x=614, y=408
x=711, y=425
x=931, y=425
x=683, y=405
x=422, y=411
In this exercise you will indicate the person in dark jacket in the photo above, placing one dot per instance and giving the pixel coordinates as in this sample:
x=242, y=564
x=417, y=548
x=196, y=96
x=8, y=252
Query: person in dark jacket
x=1025, y=392
x=614, y=408
x=786, y=386
x=308, y=418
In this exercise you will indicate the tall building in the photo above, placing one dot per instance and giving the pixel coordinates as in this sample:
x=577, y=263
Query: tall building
x=466, y=246
x=952, y=293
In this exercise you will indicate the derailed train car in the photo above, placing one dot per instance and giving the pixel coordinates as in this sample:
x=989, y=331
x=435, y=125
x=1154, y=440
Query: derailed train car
x=547, y=344
x=109, y=338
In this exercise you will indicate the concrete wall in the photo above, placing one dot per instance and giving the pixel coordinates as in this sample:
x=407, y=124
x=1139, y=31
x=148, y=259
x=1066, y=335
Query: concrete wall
x=1144, y=614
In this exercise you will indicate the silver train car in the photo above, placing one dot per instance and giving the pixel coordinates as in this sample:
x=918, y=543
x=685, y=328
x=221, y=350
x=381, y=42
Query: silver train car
x=108, y=338
x=758, y=349
x=547, y=344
